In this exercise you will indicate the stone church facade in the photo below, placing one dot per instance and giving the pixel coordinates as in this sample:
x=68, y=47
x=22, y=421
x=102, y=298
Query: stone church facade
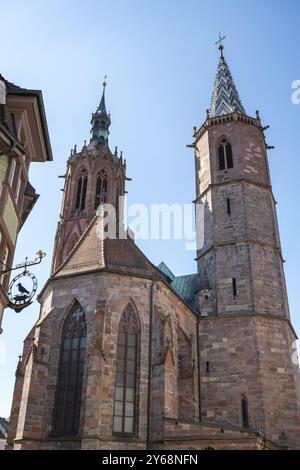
x=125, y=355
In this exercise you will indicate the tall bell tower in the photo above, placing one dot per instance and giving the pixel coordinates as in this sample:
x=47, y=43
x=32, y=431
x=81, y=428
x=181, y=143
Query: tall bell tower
x=94, y=175
x=249, y=373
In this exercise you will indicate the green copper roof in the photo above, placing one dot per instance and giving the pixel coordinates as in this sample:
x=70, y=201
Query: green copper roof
x=186, y=287
x=165, y=270
x=101, y=121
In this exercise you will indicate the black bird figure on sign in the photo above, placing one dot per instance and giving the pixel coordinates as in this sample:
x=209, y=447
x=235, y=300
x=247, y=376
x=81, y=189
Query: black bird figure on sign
x=22, y=289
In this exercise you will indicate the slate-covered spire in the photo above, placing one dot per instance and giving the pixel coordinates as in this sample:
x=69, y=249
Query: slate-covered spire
x=100, y=121
x=225, y=98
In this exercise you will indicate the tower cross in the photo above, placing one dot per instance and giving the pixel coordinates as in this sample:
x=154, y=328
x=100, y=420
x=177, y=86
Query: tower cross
x=219, y=42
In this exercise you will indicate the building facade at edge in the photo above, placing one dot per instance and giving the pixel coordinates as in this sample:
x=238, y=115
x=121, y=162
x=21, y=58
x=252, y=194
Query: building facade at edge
x=23, y=139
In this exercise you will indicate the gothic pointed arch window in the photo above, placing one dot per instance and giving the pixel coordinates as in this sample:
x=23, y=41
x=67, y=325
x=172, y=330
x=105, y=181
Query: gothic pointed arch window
x=245, y=413
x=101, y=188
x=81, y=190
x=225, y=155
x=125, y=406
x=70, y=374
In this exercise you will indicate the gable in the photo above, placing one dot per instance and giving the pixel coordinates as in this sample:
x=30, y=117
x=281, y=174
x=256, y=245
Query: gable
x=88, y=253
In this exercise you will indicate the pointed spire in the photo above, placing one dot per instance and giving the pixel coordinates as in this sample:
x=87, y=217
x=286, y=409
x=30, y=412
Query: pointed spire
x=101, y=120
x=102, y=108
x=225, y=98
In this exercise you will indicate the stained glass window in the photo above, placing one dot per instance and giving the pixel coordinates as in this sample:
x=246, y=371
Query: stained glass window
x=70, y=374
x=126, y=374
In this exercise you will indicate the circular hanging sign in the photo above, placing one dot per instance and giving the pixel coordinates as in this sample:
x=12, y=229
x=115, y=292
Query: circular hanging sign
x=21, y=290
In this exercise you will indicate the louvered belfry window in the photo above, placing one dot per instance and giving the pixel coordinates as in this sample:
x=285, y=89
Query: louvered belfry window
x=126, y=374
x=225, y=156
x=81, y=191
x=70, y=374
x=101, y=189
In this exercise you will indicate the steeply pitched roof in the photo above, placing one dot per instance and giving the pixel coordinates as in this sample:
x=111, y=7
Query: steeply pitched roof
x=124, y=255
x=225, y=98
x=93, y=251
x=88, y=253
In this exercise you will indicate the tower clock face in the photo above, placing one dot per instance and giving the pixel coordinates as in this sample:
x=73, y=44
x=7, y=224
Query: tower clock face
x=21, y=290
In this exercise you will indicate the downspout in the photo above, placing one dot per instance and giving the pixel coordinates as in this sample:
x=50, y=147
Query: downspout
x=199, y=372
x=150, y=366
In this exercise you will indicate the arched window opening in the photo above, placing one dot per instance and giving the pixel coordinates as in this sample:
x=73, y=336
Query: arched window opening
x=101, y=189
x=245, y=414
x=81, y=191
x=225, y=155
x=126, y=374
x=221, y=158
x=70, y=374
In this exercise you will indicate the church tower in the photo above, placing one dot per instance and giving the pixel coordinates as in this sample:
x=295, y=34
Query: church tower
x=94, y=175
x=126, y=355
x=250, y=371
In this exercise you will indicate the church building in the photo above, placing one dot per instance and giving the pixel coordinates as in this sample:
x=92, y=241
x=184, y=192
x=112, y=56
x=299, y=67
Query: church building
x=125, y=355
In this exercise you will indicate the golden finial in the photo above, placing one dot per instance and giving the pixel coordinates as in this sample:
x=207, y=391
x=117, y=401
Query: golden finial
x=104, y=81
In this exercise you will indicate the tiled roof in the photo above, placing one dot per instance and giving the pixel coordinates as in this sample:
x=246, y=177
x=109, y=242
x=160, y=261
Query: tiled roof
x=225, y=98
x=88, y=253
x=125, y=255
x=10, y=85
x=93, y=251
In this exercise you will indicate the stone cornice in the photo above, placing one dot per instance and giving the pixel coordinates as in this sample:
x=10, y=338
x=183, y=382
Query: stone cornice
x=251, y=314
x=235, y=181
x=239, y=242
x=119, y=272
x=225, y=119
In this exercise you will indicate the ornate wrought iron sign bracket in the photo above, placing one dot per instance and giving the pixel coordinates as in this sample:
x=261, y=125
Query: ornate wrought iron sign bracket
x=23, y=287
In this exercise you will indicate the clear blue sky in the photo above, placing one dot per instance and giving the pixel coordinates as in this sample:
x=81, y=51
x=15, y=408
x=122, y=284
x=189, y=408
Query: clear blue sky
x=161, y=61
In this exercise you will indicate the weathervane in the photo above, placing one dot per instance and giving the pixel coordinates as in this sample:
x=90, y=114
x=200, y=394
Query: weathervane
x=221, y=47
x=19, y=293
